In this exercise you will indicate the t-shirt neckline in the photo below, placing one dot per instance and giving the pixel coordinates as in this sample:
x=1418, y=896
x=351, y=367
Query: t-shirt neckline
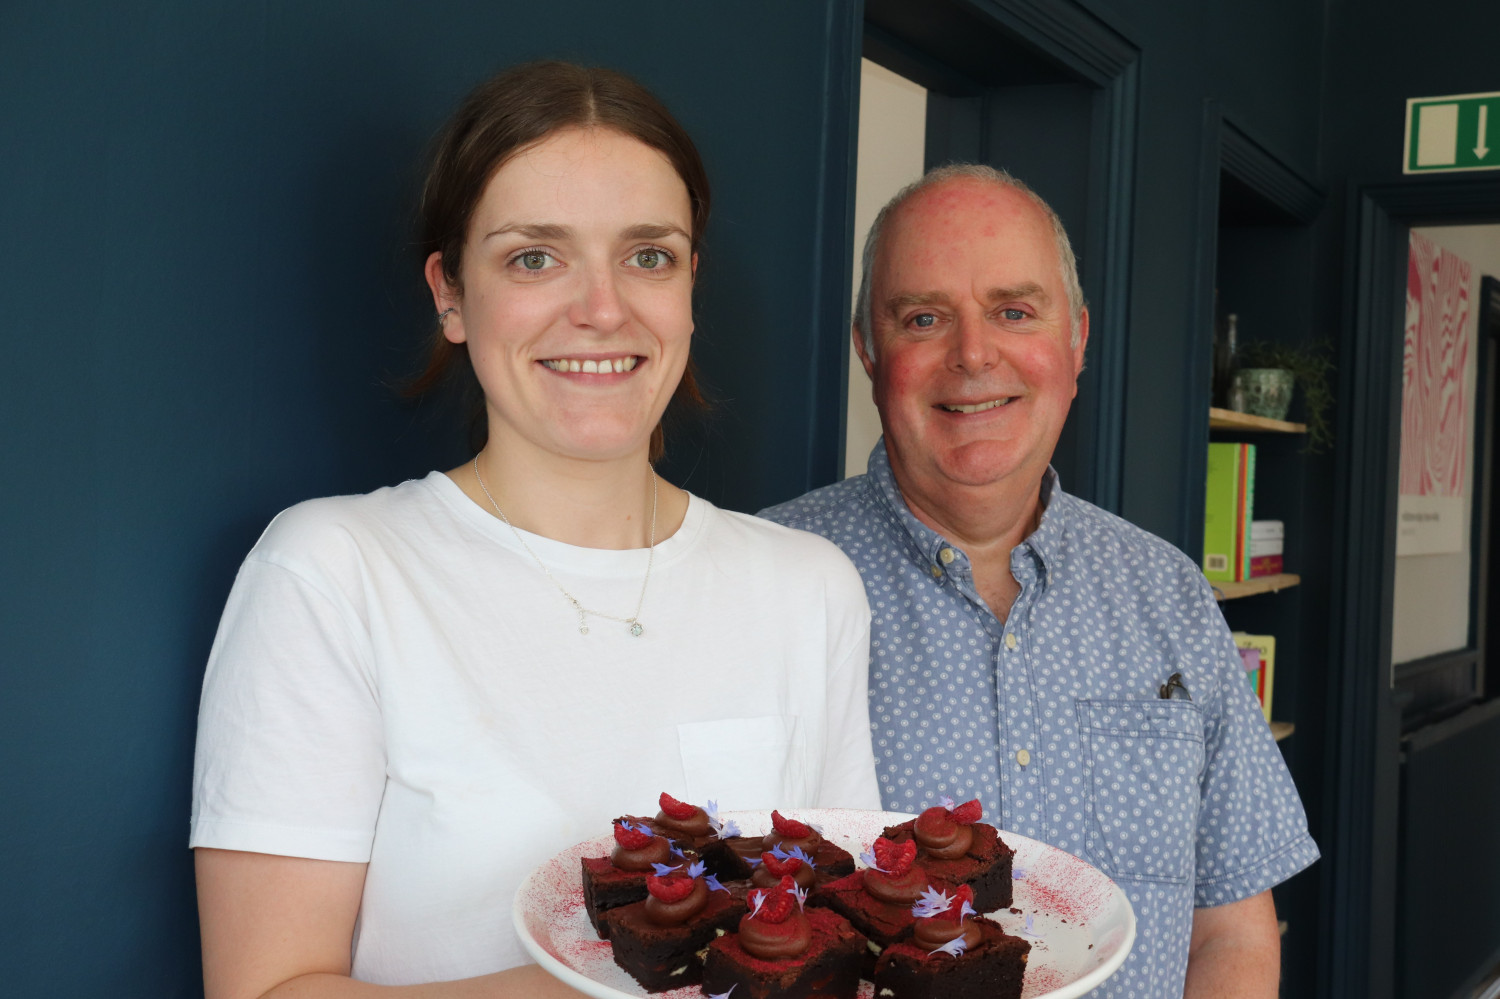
x=560, y=555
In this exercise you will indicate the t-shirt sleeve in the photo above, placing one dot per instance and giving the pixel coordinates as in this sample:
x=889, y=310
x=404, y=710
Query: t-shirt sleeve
x=849, y=767
x=290, y=754
x=1252, y=830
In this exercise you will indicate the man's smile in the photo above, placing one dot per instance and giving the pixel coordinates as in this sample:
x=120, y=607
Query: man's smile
x=976, y=407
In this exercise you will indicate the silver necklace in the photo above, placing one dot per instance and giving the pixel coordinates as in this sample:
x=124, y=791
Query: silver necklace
x=633, y=621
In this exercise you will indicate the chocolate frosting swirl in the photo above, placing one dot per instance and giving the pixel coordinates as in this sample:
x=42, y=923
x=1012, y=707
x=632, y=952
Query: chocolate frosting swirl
x=673, y=913
x=696, y=824
x=930, y=934
x=763, y=878
x=809, y=843
x=770, y=941
x=655, y=852
x=940, y=836
x=896, y=889
x=746, y=846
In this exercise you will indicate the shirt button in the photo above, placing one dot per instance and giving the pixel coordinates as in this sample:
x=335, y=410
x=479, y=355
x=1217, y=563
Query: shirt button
x=936, y=572
x=947, y=555
x=1010, y=641
x=1023, y=757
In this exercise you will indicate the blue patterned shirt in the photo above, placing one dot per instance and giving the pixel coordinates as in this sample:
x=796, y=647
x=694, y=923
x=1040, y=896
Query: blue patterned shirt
x=1052, y=717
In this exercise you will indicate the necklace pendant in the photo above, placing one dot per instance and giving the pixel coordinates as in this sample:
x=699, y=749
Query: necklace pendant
x=583, y=629
x=636, y=629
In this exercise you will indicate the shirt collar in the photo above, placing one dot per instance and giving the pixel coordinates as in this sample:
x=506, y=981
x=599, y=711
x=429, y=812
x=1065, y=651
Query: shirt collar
x=927, y=545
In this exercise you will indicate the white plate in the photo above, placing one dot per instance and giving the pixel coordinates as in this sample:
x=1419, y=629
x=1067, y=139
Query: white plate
x=1082, y=926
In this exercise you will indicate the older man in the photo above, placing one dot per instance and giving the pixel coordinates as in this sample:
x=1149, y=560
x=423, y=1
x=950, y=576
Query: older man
x=1022, y=638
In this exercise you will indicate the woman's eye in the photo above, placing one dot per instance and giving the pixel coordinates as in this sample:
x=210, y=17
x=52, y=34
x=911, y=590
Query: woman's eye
x=651, y=259
x=924, y=321
x=534, y=260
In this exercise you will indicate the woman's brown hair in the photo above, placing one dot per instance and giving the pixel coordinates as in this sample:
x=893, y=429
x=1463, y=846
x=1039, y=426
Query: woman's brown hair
x=504, y=115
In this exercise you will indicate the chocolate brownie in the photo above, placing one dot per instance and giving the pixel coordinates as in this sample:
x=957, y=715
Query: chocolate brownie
x=954, y=848
x=729, y=859
x=993, y=968
x=829, y=967
x=737, y=856
x=620, y=878
x=660, y=941
x=877, y=901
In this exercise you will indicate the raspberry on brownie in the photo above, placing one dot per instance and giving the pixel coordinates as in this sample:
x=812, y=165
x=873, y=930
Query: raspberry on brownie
x=689, y=826
x=784, y=950
x=878, y=900
x=661, y=940
x=952, y=954
x=956, y=848
x=620, y=878
x=776, y=863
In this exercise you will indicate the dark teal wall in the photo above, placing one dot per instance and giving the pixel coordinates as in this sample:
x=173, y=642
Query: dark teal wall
x=204, y=282
x=1262, y=63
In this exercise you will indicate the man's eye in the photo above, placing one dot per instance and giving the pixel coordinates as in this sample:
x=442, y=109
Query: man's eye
x=1014, y=315
x=924, y=321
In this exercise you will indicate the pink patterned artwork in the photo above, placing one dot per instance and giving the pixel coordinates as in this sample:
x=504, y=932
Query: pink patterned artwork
x=1434, y=401
x=1434, y=442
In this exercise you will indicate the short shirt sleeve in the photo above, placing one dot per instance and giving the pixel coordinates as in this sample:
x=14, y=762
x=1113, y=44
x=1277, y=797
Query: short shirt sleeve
x=290, y=755
x=1252, y=830
x=849, y=772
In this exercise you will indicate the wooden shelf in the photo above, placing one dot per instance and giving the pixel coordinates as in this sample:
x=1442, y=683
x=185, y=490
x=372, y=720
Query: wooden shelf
x=1228, y=419
x=1250, y=587
x=1280, y=730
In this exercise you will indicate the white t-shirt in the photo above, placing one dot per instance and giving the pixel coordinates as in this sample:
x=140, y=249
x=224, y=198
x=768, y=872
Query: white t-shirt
x=395, y=682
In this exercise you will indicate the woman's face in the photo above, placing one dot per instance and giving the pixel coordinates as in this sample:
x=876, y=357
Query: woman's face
x=577, y=294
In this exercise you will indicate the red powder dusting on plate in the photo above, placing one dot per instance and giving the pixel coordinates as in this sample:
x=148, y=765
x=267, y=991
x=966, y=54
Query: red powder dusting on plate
x=1054, y=900
x=1040, y=981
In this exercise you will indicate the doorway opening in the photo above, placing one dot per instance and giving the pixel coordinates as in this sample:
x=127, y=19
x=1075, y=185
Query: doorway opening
x=1050, y=100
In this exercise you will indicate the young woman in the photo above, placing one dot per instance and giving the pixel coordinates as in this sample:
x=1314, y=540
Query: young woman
x=418, y=695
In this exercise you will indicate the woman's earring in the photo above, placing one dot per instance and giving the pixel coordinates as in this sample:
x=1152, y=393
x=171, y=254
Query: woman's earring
x=445, y=313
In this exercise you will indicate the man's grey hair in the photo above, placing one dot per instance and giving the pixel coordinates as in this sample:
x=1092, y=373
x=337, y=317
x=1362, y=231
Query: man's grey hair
x=987, y=174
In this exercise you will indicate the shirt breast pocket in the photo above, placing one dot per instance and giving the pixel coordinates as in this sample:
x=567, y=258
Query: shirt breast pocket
x=1145, y=760
x=745, y=762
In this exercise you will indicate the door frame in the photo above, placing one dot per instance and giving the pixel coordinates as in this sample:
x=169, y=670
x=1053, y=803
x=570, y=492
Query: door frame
x=1094, y=53
x=1364, y=760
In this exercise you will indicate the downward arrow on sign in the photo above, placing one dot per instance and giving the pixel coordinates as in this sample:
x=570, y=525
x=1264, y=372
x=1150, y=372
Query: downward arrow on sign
x=1480, y=149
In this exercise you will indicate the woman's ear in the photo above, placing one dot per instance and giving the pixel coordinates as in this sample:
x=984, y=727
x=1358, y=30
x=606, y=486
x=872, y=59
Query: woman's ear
x=695, y=268
x=445, y=298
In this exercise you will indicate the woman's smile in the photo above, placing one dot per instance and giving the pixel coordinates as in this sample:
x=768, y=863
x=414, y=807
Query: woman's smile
x=592, y=364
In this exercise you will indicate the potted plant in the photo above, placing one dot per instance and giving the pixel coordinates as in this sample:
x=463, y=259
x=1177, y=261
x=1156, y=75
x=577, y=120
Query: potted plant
x=1307, y=365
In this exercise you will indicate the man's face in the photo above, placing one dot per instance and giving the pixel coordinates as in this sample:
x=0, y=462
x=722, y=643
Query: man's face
x=973, y=369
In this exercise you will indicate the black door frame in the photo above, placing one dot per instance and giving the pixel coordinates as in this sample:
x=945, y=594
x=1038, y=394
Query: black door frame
x=1361, y=850
x=1091, y=51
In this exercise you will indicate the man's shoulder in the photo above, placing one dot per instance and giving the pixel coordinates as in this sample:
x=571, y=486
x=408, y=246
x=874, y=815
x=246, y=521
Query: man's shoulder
x=829, y=511
x=1089, y=530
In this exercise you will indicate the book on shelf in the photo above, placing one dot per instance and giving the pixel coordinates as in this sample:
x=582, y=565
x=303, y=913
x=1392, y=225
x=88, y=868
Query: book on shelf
x=1267, y=530
x=1246, y=506
x=1263, y=677
x=1265, y=565
x=1259, y=548
x=1229, y=500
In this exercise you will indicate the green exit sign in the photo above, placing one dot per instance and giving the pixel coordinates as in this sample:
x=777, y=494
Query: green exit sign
x=1445, y=134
